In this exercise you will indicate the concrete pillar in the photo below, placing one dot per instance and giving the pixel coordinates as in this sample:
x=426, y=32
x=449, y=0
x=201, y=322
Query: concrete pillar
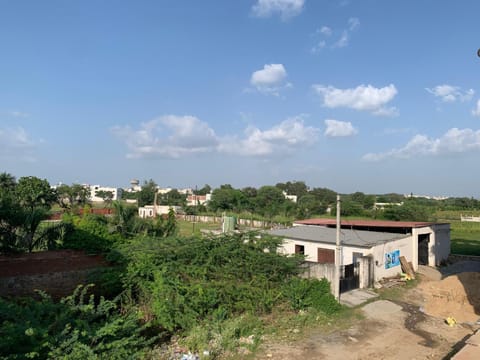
x=364, y=280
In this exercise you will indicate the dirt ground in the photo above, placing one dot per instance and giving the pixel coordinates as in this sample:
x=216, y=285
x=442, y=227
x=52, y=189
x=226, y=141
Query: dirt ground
x=389, y=329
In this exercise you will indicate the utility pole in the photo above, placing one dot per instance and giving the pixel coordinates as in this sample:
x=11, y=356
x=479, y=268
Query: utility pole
x=338, y=254
x=155, y=204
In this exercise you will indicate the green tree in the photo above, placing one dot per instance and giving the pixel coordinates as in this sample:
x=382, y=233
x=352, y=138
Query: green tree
x=298, y=188
x=308, y=205
x=269, y=201
x=324, y=196
x=173, y=198
x=146, y=195
x=33, y=192
x=7, y=182
x=69, y=197
x=227, y=198
x=107, y=196
x=23, y=206
x=206, y=189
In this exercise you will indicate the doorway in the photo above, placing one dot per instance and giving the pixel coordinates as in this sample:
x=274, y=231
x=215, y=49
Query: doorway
x=423, y=240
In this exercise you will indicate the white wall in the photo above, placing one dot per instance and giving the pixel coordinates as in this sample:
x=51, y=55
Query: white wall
x=117, y=192
x=311, y=252
x=379, y=252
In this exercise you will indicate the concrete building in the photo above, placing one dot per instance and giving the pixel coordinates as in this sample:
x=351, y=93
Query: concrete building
x=150, y=211
x=383, y=242
x=292, y=198
x=94, y=189
x=194, y=200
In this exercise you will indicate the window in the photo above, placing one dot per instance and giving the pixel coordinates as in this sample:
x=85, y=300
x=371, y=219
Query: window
x=325, y=256
x=300, y=249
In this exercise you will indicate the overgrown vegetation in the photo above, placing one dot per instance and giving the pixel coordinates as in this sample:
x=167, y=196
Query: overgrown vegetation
x=76, y=328
x=214, y=294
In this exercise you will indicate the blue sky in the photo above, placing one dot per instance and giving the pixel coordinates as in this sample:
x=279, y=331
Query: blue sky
x=374, y=96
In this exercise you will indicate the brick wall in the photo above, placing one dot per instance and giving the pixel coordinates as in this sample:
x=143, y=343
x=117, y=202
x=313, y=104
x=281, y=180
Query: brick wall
x=56, y=272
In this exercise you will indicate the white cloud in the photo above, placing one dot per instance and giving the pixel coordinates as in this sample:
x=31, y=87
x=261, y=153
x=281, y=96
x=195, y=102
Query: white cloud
x=476, y=111
x=454, y=141
x=337, y=128
x=16, y=143
x=450, y=93
x=169, y=136
x=341, y=41
x=270, y=79
x=18, y=114
x=174, y=136
x=353, y=23
x=281, y=139
x=325, y=30
x=285, y=8
x=364, y=98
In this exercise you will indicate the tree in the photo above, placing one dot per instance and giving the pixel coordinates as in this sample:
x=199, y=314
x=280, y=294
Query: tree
x=107, y=196
x=308, y=205
x=227, y=198
x=23, y=206
x=206, y=189
x=269, y=200
x=33, y=192
x=7, y=182
x=173, y=198
x=146, y=196
x=325, y=196
x=297, y=188
x=69, y=197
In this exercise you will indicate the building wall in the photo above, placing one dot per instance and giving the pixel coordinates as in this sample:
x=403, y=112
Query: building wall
x=311, y=250
x=148, y=210
x=438, y=245
x=378, y=253
x=117, y=192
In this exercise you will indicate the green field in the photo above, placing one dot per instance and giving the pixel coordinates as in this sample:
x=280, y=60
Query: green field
x=465, y=238
x=186, y=228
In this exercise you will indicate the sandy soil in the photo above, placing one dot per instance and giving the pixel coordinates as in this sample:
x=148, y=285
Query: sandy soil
x=394, y=330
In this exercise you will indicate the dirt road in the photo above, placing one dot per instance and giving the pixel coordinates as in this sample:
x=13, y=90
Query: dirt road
x=390, y=329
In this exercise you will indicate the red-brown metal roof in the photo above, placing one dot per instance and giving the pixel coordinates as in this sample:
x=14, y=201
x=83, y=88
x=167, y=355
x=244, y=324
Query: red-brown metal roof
x=369, y=223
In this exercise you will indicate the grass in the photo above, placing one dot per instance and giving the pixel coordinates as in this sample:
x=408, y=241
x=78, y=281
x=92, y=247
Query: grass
x=187, y=228
x=465, y=238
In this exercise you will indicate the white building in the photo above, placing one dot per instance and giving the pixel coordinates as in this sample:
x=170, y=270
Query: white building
x=384, y=242
x=292, y=198
x=150, y=211
x=94, y=189
x=194, y=200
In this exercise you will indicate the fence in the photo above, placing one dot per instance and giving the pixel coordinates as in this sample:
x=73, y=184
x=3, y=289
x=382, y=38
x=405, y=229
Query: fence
x=352, y=276
x=260, y=224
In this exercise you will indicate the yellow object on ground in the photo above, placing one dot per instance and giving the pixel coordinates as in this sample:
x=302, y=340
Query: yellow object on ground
x=450, y=321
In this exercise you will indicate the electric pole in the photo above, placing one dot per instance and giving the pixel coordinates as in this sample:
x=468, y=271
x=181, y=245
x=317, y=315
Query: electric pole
x=338, y=254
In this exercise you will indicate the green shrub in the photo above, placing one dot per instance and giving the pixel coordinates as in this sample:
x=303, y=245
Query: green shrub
x=311, y=293
x=77, y=327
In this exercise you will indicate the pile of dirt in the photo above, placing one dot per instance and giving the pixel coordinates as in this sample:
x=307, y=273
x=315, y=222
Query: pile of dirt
x=455, y=296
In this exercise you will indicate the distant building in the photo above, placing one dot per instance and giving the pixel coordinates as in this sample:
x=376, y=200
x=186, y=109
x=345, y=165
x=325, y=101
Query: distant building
x=94, y=189
x=380, y=243
x=426, y=197
x=382, y=206
x=194, y=200
x=150, y=211
x=292, y=198
x=134, y=186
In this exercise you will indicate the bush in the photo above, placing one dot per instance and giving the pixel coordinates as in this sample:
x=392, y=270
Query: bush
x=184, y=281
x=74, y=328
x=311, y=293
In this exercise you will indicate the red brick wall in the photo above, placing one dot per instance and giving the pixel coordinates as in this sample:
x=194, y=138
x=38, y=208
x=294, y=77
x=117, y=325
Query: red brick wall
x=55, y=272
